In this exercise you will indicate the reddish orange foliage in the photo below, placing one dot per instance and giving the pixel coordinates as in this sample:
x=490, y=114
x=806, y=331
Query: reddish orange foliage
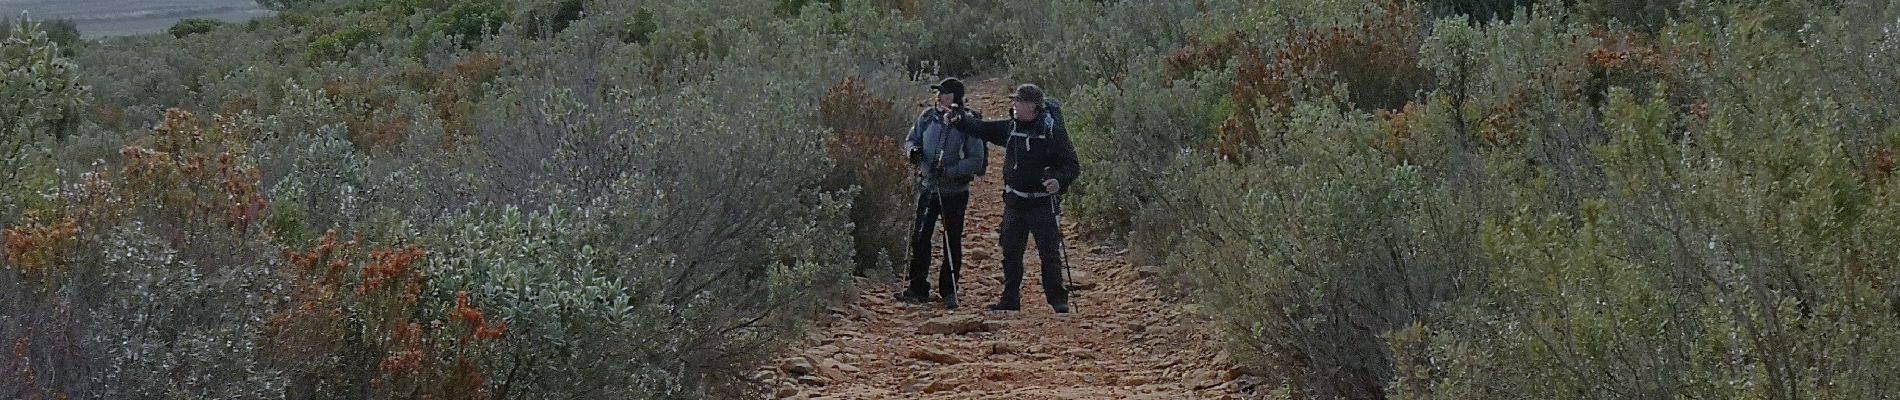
x=1398, y=129
x=36, y=246
x=1197, y=55
x=202, y=171
x=381, y=289
x=476, y=322
x=185, y=175
x=406, y=355
x=393, y=267
x=1880, y=166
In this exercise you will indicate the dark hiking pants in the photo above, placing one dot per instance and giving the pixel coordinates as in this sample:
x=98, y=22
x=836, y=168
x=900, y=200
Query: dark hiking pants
x=1037, y=218
x=930, y=208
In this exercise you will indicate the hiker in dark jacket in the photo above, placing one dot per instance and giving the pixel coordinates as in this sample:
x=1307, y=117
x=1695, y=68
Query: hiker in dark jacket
x=946, y=160
x=1039, y=164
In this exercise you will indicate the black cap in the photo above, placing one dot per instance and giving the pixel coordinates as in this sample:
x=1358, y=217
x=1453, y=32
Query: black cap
x=949, y=85
x=1027, y=92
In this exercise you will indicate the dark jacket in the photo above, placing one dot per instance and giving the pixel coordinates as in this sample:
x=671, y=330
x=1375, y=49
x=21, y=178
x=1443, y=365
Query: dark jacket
x=962, y=157
x=1036, y=151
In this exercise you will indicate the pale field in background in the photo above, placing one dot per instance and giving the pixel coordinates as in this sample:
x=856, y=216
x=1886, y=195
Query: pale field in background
x=126, y=17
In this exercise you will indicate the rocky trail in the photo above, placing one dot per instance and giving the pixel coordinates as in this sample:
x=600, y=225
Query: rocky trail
x=1126, y=339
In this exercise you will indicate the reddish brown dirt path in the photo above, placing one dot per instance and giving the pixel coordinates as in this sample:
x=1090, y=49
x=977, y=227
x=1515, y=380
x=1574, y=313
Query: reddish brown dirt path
x=1125, y=340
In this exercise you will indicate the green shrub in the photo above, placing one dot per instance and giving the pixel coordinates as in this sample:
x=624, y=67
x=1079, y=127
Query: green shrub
x=1132, y=139
x=1307, y=258
x=1598, y=215
x=1479, y=10
x=467, y=23
x=63, y=32
x=193, y=26
x=336, y=46
x=571, y=297
x=288, y=5
x=1064, y=45
x=864, y=142
x=638, y=28
x=41, y=101
x=1553, y=200
x=323, y=191
x=553, y=17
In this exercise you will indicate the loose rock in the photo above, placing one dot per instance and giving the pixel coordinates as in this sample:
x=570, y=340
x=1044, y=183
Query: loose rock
x=1007, y=347
x=813, y=380
x=1150, y=271
x=936, y=355
x=951, y=325
x=795, y=365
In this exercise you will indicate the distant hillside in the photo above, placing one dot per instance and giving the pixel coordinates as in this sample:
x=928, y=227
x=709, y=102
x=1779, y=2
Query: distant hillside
x=127, y=17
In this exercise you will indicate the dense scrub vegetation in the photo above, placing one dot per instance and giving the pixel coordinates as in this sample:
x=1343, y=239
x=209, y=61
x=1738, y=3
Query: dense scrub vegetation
x=1588, y=201
x=603, y=199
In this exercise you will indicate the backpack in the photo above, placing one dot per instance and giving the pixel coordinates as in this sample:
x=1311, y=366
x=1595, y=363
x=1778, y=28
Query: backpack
x=1054, y=109
x=962, y=153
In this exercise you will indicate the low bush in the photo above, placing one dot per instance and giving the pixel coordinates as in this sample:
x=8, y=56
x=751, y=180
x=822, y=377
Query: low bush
x=193, y=26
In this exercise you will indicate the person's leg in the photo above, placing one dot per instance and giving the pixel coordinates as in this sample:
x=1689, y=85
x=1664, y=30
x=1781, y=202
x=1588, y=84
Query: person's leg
x=920, y=257
x=1012, y=240
x=1042, y=222
x=948, y=277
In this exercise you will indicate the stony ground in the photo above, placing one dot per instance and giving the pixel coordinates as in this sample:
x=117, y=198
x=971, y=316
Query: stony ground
x=1125, y=341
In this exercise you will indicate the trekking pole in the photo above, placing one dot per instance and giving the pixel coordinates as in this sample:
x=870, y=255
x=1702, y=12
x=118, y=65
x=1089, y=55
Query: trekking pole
x=949, y=255
x=1068, y=278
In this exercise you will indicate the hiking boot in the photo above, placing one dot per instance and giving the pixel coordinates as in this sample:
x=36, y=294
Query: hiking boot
x=1062, y=308
x=909, y=296
x=950, y=301
x=1004, y=306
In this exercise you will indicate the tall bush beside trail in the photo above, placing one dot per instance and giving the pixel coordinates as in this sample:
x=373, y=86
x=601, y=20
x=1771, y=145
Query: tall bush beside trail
x=698, y=227
x=572, y=299
x=1305, y=261
x=1136, y=139
x=1373, y=256
x=569, y=305
x=696, y=220
x=866, y=147
x=1735, y=251
x=1692, y=279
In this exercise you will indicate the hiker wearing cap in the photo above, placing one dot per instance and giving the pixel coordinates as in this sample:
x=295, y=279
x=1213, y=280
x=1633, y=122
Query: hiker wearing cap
x=947, y=160
x=1039, y=164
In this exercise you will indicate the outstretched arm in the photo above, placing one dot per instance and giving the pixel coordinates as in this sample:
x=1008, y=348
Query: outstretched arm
x=995, y=132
